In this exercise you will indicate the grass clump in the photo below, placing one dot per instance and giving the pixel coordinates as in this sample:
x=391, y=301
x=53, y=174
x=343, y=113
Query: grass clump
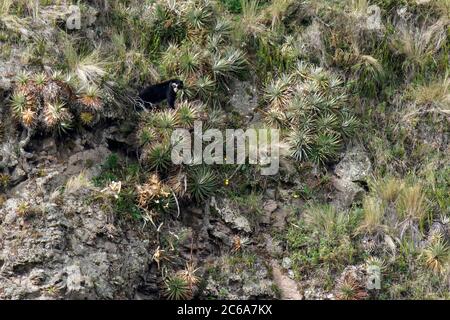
x=322, y=239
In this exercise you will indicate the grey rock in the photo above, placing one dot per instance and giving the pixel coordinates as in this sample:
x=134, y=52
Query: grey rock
x=49, y=145
x=279, y=217
x=231, y=215
x=347, y=192
x=243, y=283
x=65, y=251
x=354, y=167
x=91, y=159
x=272, y=246
x=76, y=282
x=286, y=263
x=268, y=207
x=262, y=288
x=287, y=287
x=244, y=98
x=222, y=232
x=270, y=193
x=18, y=175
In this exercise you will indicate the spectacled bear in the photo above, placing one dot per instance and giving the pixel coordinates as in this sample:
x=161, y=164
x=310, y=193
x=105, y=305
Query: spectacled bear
x=159, y=92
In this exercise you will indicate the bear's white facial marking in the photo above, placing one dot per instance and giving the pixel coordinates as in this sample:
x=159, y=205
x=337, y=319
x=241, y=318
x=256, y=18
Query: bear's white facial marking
x=175, y=87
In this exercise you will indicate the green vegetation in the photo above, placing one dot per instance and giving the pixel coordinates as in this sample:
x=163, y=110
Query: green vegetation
x=177, y=288
x=202, y=183
x=324, y=72
x=323, y=238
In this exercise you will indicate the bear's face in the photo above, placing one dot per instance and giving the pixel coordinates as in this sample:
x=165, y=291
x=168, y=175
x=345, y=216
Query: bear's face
x=176, y=85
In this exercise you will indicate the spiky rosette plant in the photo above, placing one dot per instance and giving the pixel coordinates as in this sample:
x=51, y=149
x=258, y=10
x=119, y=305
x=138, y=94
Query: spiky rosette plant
x=278, y=92
x=437, y=255
x=191, y=61
x=87, y=118
x=301, y=142
x=165, y=122
x=177, y=288
x=19, y=103
x=350, y=288
x=349, y=124
x=223, y=27
x=157, y=156
x=40, y=80
x=29, y=118
x=205, y=59
x=42, y=101
x=22, y=78
x=155, y=132
x=213, y=118
x=310, y=104
x=146, y=135
x=199, y=16
x=26, y=92
x=48, y=101
x=57, y=116
x=228, y=63
x=186, y=114
x=91, y=98
x=166, y=20
x=274, y=117
x=325, y=148
x=189, y=274
x=170, y=59
x=202, y=183
x=205, y=88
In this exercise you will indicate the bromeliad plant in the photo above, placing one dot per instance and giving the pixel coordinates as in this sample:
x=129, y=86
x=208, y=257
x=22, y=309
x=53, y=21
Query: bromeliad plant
x=177, y=288
x=311, y=108
x=437, y=254
x=180, y=182
x=202, y=183
x=156, y=129
x=51, y=104
x=204, y=57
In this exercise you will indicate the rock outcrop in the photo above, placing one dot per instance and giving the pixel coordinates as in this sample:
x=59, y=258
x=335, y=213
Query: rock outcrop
x=66, y=244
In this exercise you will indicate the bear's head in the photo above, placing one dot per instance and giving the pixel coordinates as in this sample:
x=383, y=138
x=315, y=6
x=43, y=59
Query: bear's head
x=176, y=85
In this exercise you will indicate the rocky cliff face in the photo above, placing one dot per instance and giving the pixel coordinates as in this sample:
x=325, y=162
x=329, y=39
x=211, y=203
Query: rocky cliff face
x=59, y=238
x=91, y=207
x=61, y=246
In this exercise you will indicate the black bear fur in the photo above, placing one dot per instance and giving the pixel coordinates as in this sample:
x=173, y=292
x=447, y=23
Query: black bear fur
x=157, y=93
